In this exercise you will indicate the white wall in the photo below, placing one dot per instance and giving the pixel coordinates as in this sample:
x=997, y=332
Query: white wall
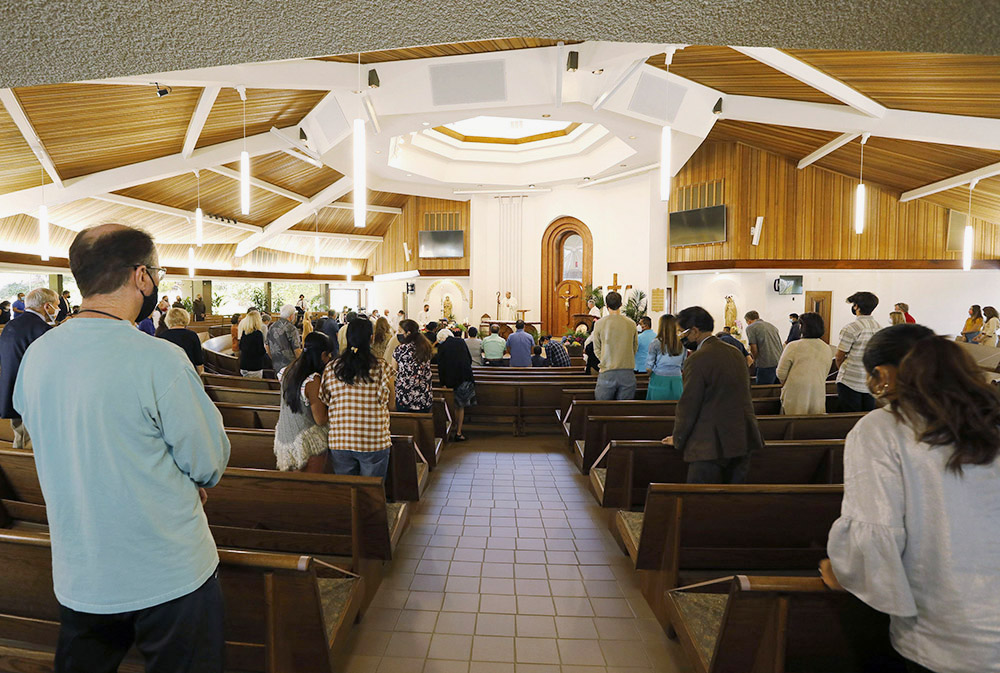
x=938, y=299
x=389, y=295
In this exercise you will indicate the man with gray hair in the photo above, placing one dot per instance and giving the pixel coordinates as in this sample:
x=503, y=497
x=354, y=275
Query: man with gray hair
x=40, y=307
x=283, y=341
x=125, y=443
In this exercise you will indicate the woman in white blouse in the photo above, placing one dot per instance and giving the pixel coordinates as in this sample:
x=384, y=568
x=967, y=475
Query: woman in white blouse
x=803, y=368
x=919, y=532
x=988, y=336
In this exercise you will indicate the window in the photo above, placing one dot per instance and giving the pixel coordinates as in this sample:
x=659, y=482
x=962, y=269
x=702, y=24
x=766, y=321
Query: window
x=572, y=258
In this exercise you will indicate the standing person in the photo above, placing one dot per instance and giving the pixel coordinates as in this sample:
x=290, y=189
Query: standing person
x=852, y=387
x=177, y=303
x=803, y=369
x=765, y=347
x=990, y=329
x=795, y=331
x=18, y=306
x=253, y=353
x=665, y=357
x=40, y=307
x=301, y=436
x=300, y=309
x=349, y=317
x=234, y=331
x=355, y=389
x=973, y=324
x=592, y=308
x=424, y=316
x=715, y=426
x=283, y=342
x=615, y=344
x=400, y=317
x=645, y=337
x=917, y=536
x=64, y=307
x=493, y=347
x=510, y=309
x=726, y=337
x=897, y=318
x=592, y=364
x=905, y=310
x=519, y=345
x=383, y=332
x=413, y=375
x=178, y=334
x=146, y=325
x=455, y=370
x=307, y=324
x=198, y=307
x=331, y=328
x=133, y=559
x=555, y=352
x=4, y=312
x=475, y=346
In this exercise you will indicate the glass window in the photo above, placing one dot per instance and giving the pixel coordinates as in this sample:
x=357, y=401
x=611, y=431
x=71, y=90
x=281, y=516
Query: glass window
x=572, y=256
x=341, y=297
x=234, y=297
x=12, y=283
x=288, y=293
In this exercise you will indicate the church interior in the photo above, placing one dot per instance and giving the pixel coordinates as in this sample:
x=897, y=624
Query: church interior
x=485, y=181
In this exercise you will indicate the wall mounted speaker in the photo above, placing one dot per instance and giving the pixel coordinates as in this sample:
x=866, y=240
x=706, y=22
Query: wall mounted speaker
x=466, y=83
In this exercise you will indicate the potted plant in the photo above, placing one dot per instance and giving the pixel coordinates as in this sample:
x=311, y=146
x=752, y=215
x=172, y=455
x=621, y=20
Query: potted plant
x=574, y=342
x=635, y=307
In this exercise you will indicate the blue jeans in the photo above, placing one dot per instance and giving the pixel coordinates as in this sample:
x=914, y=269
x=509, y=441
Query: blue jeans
x=767, y=376
x=617, y=384
x=364, y=463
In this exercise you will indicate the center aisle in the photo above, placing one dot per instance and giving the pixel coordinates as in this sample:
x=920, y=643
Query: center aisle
x=508, y=562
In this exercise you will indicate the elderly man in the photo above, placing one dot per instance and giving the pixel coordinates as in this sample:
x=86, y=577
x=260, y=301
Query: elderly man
x=125, y=442
x=198, y=308
x=283, y=341
x=40, y=306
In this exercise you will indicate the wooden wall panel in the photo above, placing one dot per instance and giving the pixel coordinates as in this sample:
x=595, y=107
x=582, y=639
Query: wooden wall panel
x=809, y=214
x=390, y=257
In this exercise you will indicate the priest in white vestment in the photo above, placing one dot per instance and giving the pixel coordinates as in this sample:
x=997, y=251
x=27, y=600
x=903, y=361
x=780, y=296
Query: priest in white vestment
x=510, y=308
x=424, y=316
x=592, y=308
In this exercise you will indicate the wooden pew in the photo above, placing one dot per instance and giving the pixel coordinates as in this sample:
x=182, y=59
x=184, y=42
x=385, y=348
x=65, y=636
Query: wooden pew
x=778, y=624
x=631, y=466
x=600, y=430
x=224, y=381
x=691, y=532
x=284, y=612
x=343, y=517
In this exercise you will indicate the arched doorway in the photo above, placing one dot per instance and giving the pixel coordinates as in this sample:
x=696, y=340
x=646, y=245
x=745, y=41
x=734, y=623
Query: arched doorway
x=567, y=267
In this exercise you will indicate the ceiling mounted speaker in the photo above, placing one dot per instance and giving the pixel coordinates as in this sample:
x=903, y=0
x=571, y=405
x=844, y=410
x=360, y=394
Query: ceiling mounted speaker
x=468, y=83
x=657, y=98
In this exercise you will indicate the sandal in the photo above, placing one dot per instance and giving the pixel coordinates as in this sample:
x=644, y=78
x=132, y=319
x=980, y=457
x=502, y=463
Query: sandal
x=460, y=438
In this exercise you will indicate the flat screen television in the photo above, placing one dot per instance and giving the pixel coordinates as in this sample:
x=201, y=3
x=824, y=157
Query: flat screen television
x=441, y=244
x=698, y=226
x=788, y=285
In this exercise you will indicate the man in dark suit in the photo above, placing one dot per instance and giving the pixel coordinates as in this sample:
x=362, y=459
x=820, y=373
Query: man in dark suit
x=64, y=308
x=41, y=305
x=331, y=327
x=715, y=425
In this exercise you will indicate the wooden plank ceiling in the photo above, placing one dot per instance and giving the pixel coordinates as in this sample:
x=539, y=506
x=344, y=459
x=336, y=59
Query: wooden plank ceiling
x=264, y=108
x=290, y=173
x=436, y=50
x=19, y=169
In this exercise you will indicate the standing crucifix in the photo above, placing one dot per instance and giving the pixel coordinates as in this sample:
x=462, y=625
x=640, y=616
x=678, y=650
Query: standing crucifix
x=614, y=287
x=567, y=294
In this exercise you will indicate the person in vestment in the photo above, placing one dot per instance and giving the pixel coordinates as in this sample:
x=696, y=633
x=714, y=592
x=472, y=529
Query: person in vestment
x=510, y=307
x=424, y=316
x=592, y=308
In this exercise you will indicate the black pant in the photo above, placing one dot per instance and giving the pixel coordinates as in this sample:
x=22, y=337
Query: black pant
x=184, y=635
x=849, y=399
x=719, y=471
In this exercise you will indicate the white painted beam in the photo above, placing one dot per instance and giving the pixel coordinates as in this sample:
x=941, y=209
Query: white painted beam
x=831, y=146
x=296, y=143
x=297, y=214
x=618, y=84
x=339, y=205
x=292, y=152
x=170, y=210
x=302, y=74
x=29, y=200
x=560, y=71
x=324, y=235
x=20, y=119
x=954, y=181
x=618, y=176
x=198, y=118
x=814, y=77
x=257, y=182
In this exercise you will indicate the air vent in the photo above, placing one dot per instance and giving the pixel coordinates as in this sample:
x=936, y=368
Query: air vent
x=468, y=83
x=656, y=98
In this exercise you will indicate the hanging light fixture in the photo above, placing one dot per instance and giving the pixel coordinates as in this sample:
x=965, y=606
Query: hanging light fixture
x=859, y=192
x=244, y=159
x=43, y=223
x=316, y=238
x=199, y=216
x=665, y=148
x=968, y=239
x=360, y=190
x=190, y=262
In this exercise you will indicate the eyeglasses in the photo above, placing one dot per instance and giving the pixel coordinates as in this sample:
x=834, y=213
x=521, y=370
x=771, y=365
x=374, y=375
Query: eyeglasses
x=161, y=273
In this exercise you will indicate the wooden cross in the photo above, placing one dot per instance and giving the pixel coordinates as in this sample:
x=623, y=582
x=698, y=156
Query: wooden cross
x=567, y=294
x=614, y=287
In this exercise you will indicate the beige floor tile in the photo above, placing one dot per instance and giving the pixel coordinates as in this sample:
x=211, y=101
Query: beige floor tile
x=428, y=583
x=466, y=585
x=425, y=600
x=526, y=571
x=421, y=621
x=361, y=664
x=497, y=585
x=401, y=665
x=611, y=628
x=535, y=605
x=532, y=587
x=567, y=587
x=612, y=607
x=494, y=603
x=576, y=627
x=538, y=668
x=450, y=646
x=499, y=570
x=536, y=626
x=367, y=643
x=536, y=650
x=493, y=648
x=495, y=625
x=380, y=619
x=445, y=666
x=457, y=623
x=571, y=606
x=580, y=652
x=408, y=645
x=390, y=598
x=624, y=653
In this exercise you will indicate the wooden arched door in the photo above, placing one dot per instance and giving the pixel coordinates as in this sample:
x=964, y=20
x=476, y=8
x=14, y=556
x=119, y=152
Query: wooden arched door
x=559, y=284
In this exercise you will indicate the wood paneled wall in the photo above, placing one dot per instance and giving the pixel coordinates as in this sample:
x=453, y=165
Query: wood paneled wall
x=808, y=215
x=444, y=214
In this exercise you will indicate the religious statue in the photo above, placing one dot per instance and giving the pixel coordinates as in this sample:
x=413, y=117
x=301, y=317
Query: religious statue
x=447, y=310
x=730, y=312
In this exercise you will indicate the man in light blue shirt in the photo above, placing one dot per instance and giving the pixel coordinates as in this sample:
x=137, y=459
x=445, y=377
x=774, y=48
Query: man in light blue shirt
x=125, y=441
x=519, y=344
x=646, y=336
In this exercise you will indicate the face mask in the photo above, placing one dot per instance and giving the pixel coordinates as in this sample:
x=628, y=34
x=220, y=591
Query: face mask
x=148, y=304
x=51, y=316
x=689, y=344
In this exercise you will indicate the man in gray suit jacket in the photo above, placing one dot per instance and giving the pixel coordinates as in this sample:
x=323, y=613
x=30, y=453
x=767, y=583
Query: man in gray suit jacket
x=715, y=425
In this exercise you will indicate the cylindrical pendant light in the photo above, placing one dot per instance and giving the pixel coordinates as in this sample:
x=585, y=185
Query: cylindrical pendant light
x=969, y=239
x=190, y=262
x=199, y=216
x=244, y=159
x=360, y=188
x=859, y=192
x=665, y=163
x=43, y=232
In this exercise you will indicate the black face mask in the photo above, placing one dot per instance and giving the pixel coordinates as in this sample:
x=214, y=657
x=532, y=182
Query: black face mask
x=148, y=303
x=690, y=345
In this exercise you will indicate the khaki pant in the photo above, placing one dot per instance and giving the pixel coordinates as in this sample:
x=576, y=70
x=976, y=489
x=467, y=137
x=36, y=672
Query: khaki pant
x=21, y=438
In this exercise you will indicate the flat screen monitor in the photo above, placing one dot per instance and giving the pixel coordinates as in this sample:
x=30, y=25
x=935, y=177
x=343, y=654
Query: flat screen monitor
x=788, y=285
x=698, y=226
x=441, y=244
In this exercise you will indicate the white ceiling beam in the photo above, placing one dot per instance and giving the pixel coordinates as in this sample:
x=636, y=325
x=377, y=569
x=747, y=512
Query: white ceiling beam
x=952, y=182
x=606, y=95
x=302, y=74
x=296, y=143
x=560, y=71
x=297, y=214
x=831, y=146
x=292, y=152
x=340, y=205
x=814, y=77
x=325, y=235
x=28, y=200
x=20, y=119
x=257, y=182
x=198, y=118
x=177, y=212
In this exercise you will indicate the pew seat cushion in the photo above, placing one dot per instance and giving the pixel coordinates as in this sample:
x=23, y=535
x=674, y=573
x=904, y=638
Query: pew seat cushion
x=630, y=528
x=600, y=475
x=335, y=596
x=392, y=512
x=702, y=615
x=421, y=471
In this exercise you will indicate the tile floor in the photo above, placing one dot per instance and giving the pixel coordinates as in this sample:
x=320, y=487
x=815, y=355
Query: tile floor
x=508, y=567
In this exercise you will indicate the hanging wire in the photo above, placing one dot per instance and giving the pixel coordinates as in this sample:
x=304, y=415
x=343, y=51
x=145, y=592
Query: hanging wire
x=861, y=174
x=244, y=122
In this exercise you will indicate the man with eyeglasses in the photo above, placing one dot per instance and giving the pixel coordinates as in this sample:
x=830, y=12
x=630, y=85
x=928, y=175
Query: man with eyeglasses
x=125, y=442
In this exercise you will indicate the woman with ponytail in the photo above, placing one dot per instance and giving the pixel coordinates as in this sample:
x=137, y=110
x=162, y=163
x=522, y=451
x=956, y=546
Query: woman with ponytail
x=919, y=532
x=300, y=437
x=355, y=389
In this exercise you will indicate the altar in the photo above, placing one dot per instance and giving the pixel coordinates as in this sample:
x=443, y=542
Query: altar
x=507, y=327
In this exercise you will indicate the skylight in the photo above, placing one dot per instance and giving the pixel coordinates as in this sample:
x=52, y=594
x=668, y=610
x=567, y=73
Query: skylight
x=505, y=127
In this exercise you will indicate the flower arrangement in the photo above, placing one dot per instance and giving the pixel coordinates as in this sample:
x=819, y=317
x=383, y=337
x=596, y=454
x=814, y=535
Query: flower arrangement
x=575, y=338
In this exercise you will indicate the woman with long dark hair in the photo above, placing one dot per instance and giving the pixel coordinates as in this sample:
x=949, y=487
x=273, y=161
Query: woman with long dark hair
x=301, y=439
x=355, y=389
x=413, y=376
x=664, y=360
x=919, y=533
x=988, y=335
x=973, y=324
